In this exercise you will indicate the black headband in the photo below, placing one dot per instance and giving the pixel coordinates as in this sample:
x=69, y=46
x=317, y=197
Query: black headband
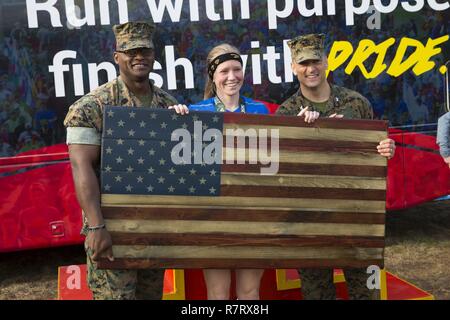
x=221, y=59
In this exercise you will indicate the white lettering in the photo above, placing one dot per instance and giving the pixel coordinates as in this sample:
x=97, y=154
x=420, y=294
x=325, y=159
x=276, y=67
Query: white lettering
x=273, y=13
x=288, y=75
x=316, y=10
x=271, y=57
x=171, y=65
x=256, y=64
x=245, y=9
x=157, y=11
x=33, y=8
x=438, y=6
x=211, y=10
x=58, y=69
x=351, y=9
x=94, y=69
x=193, y=8
x=78, y=82
x=72, y=18
x=104, y=11
x=158, y=80
x=385, y=9
x=411, y=8
x=331, y=7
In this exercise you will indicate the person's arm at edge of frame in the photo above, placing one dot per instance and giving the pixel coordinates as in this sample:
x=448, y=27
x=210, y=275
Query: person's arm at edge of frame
x=443, y=137
x=84, y=159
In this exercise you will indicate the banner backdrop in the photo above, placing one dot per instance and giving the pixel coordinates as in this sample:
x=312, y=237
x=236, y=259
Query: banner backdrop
x=53, y=52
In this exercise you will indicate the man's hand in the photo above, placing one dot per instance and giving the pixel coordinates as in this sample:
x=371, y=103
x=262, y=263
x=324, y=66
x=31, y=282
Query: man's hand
x=180, y=108
x=386, y=148
x=310, y=116
x=100, y=243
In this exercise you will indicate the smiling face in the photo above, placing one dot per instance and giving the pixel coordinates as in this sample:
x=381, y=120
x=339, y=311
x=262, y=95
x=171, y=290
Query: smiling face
x=229, y=78
x=135, y=64
x=311, y=73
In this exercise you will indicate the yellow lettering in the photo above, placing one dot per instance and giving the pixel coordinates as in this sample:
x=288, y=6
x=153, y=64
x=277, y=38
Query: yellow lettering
x=424, y=64
x=381, y=50
x=361, y=55
x=397, y=66
x=339, y=53
x=365, y=49
x=419, y=60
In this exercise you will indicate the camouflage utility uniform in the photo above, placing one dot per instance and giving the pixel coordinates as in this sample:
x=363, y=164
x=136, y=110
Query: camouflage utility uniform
x=317, y=284
x=84, y=126
x=349, y=103
x=84, y=122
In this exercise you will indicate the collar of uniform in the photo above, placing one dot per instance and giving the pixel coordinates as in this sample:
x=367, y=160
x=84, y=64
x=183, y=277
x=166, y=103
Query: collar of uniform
x=152, y=101
x=333, y=101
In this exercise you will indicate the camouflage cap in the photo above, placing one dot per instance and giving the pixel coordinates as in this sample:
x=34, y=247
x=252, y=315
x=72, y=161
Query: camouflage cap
x=132, y=35
x=307, y=47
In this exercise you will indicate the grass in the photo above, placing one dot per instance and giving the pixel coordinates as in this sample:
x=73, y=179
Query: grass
x=417, y=250
x=418, y=247
x=33, y=274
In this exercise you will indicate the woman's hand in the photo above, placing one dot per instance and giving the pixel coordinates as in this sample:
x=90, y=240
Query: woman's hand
x=180, y=108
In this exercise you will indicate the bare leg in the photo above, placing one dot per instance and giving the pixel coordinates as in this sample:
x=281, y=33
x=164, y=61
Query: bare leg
x=217, y=283
x=247, y=283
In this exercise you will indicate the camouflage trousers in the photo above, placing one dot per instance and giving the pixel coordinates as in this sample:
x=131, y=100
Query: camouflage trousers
x=317, y=284
x=124, y=284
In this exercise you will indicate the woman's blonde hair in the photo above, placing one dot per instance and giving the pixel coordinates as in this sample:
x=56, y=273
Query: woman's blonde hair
x=214, y=53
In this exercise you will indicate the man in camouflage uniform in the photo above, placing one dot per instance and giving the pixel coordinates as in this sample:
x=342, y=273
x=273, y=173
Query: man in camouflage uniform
x=135, y=56
x=316, y=97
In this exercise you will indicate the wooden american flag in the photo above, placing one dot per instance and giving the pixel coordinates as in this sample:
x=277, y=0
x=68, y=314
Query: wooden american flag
x=325, y=207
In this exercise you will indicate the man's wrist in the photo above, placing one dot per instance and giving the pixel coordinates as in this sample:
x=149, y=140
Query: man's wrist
x=96, y=227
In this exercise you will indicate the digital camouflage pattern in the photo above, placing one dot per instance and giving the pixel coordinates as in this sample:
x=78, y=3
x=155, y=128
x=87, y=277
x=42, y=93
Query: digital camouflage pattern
x=124, y=284
x=133, y=35
x=349, y=103
x=307, y=47
x=87, y=112
x=317, y=284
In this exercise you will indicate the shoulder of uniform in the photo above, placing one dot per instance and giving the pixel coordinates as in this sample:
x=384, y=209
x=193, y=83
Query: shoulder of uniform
x=104, y=88
x=87, y=101
x=354, y=100
x=100, y=94
x=289, y=101
x=347, y=93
